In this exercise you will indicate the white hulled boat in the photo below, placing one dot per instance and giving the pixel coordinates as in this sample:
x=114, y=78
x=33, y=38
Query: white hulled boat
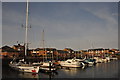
x=113, y=58
x=22, y=65
x=72, y=63
x=89, y=62
x=46, y=66
x=98, y=60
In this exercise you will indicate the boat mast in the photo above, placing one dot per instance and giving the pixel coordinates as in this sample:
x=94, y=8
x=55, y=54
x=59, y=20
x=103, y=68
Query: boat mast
x=26, y=30
x=44, y=49
x=43, y=39
x=43, y=43
x=92, y=48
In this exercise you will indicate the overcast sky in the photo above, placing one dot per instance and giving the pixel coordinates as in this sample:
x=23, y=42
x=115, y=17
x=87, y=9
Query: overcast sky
x=76, y=25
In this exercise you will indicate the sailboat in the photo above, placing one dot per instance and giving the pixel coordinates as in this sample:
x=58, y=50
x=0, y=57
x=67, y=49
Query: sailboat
x=22, y=65
x=46, y=66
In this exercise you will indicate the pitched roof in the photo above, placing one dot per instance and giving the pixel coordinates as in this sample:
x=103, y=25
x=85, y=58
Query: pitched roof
x=48, y=49
x=8, y=49
x=62, y=51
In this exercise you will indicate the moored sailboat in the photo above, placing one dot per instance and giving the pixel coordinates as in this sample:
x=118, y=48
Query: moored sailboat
x=22, y=65
x=46, y=66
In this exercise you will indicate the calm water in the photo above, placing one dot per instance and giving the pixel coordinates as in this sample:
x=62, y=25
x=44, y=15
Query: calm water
x=100, y=70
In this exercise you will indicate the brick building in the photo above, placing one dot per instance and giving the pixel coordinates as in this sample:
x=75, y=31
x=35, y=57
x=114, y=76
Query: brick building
x=7, y=51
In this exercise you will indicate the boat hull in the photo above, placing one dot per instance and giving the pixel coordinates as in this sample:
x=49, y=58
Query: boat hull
x=74, y=65
x=29, y=69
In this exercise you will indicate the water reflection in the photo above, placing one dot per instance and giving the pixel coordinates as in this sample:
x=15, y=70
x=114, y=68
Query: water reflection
x=109, y=69
x=39, y=75
x=28, y=75
x=70, y=71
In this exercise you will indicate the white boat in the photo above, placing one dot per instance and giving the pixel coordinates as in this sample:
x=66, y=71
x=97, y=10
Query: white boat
x=21, y=65
x=37, y=63
x=113, y=58
x=101, y=60
x=98, y=60
x=106, y=59
x=48, y=67
x=25, y=68
x=90, y=62
x=46, y=64
x=72, y=63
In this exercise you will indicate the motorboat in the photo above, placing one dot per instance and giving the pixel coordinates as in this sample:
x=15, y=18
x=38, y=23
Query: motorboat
x=72, y=63
x=98, y=59
x=90, y=62
x=113, y=58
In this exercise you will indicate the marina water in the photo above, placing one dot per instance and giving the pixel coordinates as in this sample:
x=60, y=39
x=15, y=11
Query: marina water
x=100, y=70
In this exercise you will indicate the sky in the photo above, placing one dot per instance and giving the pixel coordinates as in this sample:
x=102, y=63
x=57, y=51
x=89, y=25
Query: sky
x=76, y=25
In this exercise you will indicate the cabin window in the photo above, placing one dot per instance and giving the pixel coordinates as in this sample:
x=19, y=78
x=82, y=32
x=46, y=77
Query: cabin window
x=69, y=62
